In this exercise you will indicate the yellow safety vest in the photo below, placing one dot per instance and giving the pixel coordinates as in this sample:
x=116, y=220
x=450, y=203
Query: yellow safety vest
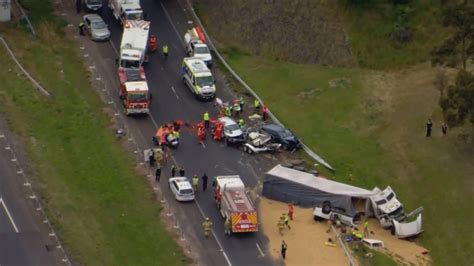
x=206, y=116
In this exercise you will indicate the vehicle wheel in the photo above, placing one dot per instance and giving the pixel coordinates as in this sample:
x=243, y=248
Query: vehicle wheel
x=392, y=230
x=318, y=219
x=326, y=207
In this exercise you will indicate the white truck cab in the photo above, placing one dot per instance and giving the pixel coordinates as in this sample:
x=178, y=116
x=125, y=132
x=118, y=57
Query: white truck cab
x=198, y=77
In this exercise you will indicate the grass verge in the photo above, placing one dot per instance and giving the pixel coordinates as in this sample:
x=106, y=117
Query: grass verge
x=370, y=128
x=104, y=211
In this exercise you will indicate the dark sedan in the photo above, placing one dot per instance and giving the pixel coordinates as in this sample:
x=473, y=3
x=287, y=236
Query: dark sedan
x=282, y=135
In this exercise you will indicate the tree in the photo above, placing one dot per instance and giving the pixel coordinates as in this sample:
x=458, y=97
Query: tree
x=458, y=102
x=459, y=48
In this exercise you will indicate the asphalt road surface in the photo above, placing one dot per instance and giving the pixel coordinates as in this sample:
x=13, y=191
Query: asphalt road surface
x=24, y=238
x=172, y=100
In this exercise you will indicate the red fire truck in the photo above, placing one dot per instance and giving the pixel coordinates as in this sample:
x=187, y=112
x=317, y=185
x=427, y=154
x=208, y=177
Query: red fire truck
x=233, y=203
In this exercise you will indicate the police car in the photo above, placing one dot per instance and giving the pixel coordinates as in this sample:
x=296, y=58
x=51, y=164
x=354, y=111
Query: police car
x=181, y=188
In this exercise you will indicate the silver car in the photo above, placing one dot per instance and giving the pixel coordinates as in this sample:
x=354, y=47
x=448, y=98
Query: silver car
x=96, y=27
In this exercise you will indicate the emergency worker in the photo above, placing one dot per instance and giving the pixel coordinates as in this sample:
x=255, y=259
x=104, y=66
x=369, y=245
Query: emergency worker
x=207, y=226
x=165, y=51
x=228, y=226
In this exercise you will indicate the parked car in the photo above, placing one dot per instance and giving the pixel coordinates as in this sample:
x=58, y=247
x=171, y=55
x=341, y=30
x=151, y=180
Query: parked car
x=93, y=5
x=282, y=135
x=96, y=27
x=232, y=132
x=181, y=188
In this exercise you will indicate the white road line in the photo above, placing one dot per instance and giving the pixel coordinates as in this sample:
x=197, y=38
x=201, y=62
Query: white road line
x=172, y=24
x=9, y=216
x=260, y=250
x=214, y=235
x=172, y=88
x=203, y=145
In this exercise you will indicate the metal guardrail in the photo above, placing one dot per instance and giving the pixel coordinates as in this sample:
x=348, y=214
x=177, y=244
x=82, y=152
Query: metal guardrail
x=23, y=13
x=35, y=83
x=344, y=247
x=311, y=153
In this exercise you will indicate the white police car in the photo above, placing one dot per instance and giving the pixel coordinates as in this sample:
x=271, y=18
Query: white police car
x=181, y=188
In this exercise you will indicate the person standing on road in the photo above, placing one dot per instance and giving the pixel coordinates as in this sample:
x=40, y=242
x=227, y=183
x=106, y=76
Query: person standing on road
x=206, y=119
x=291, y=210
x=158, y=173
x=204, y=182
x=181, y=171
x=429, y=126
x=241, y=102
x=173, y=170
x=165, y=51
x=228, y=226
x=78, y=6
x=265, y=112
x=151, y=158
x=207, y=226
x=195, y=182
x=256, y=104
x=284, y=247
x=81, y=28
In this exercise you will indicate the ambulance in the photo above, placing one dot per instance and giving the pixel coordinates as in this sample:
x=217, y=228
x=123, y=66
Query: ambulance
x=198, y=78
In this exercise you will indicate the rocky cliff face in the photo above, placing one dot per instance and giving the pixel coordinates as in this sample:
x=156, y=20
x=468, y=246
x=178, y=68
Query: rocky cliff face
x=300, y=31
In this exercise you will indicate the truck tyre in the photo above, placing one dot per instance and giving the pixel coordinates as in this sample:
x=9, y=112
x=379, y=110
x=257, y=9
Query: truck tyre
x=326, y=209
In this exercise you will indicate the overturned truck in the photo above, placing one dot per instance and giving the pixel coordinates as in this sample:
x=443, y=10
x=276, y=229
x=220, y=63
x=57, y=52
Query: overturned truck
x=305, y=189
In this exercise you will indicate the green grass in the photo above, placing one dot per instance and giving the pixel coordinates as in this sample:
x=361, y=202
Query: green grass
x=103, y=210
x=371, y=146
x=378, y=259
x=370, y=31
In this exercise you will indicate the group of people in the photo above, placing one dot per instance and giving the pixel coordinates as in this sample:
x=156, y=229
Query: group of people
x=429, y=128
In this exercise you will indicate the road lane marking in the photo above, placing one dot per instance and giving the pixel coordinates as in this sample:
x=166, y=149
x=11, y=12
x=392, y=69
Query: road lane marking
x=9, y=216
x=172, y=88
x=260, y=250
x=172, y=24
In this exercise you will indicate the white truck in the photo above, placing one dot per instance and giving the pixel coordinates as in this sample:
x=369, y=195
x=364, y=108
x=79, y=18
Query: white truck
x=124, y=10
x=390, y=212
x=196, y=45
x=133, y=47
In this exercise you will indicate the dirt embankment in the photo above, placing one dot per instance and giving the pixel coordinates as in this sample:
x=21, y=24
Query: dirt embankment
x=298, y=31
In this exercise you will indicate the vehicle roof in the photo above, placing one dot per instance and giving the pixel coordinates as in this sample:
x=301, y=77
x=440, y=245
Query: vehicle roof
x=230, y=181
x=274, y=127
x=182, y=182
x=136, y=86
x=227, y=120
x=93, y=17
x=136, y=35
x=196, y=65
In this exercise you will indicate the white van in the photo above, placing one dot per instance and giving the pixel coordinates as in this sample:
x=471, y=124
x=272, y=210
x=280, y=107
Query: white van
x=198, y=78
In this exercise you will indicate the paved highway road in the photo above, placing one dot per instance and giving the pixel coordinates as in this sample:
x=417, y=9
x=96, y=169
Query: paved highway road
x=24, y=238
x=171, y=101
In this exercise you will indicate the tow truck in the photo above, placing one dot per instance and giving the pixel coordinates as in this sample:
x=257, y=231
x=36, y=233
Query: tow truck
x=233, y=203
x=125, y=10
x=196, y=46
